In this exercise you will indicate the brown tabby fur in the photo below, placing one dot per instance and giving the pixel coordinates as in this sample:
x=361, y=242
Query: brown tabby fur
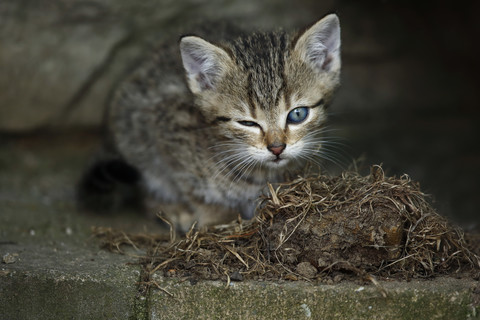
x=184, y=128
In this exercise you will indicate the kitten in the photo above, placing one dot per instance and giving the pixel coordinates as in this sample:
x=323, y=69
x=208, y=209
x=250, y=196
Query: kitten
x=207, y=127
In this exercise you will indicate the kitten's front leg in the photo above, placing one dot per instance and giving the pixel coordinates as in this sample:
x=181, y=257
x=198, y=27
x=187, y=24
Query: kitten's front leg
x=182, y=216
x=212, y=214
x=248, y=209
x=178, y=215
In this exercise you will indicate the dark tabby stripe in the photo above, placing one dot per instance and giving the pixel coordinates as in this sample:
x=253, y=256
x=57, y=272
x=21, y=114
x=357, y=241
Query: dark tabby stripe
x=222, y=119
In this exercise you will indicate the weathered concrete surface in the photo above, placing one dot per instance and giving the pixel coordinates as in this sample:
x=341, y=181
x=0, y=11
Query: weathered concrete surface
x=443, y=298
x=60, y=280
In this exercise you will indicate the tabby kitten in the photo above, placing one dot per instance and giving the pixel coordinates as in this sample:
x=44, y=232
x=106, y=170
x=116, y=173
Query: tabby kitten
x=251, y=109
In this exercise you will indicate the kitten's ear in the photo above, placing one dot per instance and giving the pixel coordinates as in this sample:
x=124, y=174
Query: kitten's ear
x=319, y=46
x=204, y=63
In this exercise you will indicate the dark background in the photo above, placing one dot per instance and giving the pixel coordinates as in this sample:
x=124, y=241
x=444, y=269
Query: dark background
x=412, y=103
x=409, y=95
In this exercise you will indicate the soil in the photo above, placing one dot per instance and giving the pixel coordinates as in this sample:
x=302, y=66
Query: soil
x=319, y=228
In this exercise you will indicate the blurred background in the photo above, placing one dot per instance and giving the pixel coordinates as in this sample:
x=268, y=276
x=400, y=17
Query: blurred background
x=409, y=95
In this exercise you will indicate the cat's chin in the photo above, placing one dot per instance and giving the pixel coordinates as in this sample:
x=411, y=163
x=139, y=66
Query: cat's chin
x=277, y=163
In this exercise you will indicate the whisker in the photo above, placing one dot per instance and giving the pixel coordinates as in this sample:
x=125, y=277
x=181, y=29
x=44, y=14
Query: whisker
x=245, y=164
x=332, y=159
x=226, y=144
x=240, y=162
x=325, y=142
x=244, y=170
x=227, y=163
x=314, y=160
x=230, y=167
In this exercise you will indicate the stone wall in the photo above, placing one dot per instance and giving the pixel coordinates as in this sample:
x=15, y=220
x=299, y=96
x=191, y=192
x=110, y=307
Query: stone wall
x=60, y=59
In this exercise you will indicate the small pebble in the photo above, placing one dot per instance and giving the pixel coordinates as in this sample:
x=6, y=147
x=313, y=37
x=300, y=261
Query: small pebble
x=10, y=258
x=306, y=269
x=322, y=263
x=338, y=278
x=236, y=276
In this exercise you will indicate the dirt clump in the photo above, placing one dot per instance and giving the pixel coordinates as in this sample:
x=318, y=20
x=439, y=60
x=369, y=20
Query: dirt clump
x=318, y=228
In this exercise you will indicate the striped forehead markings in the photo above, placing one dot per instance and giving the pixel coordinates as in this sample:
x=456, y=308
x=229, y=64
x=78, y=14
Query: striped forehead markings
x=250, y=95
x=262, y=56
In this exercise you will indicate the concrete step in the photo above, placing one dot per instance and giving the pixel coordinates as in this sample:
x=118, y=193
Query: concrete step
x=442, y=298
x=61, y=281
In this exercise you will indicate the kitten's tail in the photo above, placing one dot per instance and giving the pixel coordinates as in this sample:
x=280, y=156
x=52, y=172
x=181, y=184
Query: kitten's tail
x=109, y=185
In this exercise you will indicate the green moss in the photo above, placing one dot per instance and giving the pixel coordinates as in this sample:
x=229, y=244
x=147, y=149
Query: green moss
x=140, y=308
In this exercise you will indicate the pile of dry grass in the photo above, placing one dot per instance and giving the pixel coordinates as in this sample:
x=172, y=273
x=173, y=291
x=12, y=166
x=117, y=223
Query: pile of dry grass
x=317, y=228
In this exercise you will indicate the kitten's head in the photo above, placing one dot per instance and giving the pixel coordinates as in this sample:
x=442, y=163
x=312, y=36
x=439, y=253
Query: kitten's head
x=266, y=92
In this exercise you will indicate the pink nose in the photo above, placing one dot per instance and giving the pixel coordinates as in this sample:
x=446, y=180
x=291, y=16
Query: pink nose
x=276, y=149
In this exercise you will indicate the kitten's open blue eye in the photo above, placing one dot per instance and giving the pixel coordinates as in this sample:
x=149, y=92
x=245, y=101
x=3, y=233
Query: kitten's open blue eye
x=248, y=123
x=297, y=115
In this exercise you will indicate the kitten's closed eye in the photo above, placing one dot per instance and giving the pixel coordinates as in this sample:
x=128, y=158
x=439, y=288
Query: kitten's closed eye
x=249, y=123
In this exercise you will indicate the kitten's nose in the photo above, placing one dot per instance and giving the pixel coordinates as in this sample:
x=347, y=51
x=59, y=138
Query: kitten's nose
x=276, y=148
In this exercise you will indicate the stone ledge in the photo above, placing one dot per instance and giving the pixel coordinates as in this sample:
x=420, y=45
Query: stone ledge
x=107, y=289
x=61, y=281
x=442, y=298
